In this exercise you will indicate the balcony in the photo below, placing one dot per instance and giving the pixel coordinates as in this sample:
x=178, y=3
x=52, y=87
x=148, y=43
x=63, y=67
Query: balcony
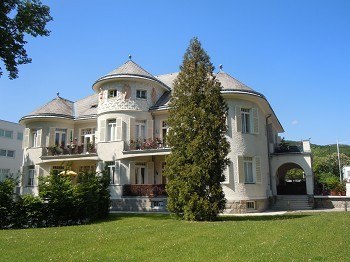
x=144, y=144
x=69, y=152
x=153, y=190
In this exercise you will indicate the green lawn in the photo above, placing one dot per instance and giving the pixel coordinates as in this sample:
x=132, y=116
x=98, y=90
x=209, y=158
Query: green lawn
x=155, y=237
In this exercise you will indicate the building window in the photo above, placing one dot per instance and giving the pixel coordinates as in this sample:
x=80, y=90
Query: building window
x=250, y=204
x=113, y=171
x=4, y=173
x=34, y=138
x=140, y=173
x=87, y=169
x=141, y=94
x=57, y=169
x=6, y=133
x=31, y=176
x=112, y=93
x=245, y=113
x=164, y=132
x=20, y=136
x=8, y=153
x=248, y=170
x=60, y=137
x=140, y=129
x=112, y=125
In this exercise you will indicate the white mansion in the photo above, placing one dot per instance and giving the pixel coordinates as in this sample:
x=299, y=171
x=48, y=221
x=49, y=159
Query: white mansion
x=123, y=127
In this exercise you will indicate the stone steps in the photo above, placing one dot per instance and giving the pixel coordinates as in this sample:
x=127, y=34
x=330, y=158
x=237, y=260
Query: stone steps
x=292, y=202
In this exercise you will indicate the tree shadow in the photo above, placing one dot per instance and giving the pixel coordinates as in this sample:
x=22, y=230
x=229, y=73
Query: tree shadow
x=262, y=218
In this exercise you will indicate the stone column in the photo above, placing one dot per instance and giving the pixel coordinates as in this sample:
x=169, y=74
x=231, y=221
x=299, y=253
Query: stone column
x=348, y=188
x=309, y=183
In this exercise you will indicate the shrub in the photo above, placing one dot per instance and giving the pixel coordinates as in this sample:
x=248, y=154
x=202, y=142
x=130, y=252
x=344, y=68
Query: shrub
x=6, y=202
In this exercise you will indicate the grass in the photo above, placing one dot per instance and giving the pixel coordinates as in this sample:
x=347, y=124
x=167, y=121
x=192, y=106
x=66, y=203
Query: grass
x=156, y=237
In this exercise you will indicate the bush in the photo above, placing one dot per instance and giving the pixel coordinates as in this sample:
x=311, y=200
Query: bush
x=29, y=212
x=7, y=202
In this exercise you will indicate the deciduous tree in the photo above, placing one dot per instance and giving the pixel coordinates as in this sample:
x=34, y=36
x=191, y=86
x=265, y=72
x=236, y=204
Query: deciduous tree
x=17, y=19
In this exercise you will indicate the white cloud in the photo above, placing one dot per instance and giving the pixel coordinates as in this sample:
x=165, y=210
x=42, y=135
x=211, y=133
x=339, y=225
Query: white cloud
x=295, y=122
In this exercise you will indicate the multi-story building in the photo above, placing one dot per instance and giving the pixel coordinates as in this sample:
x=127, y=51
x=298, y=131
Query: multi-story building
x=11, y=152
x=123, y=127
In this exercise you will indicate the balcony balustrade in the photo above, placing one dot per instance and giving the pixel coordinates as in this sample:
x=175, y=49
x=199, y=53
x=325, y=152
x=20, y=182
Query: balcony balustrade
x=145, y=144
x=153, y=190
x=70, y=150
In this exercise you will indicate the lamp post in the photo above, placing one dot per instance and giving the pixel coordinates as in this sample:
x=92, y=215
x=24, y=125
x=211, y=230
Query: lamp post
x=340, y=174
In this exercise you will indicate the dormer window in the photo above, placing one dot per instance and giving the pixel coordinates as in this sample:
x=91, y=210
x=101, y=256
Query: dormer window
x=141, y=94
x=112, y=93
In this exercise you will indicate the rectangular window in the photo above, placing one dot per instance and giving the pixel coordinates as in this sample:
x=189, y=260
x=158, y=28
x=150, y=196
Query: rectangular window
x=114, y=174
x=140, y=129
x=31, y=176
x=2, y=132
x=4, y=173
x=87, y=169
x=248, y=170
x=112, y=93
x=140, y=173
x=20, y=136
x=112, y=125
x=3, y=152
x=10, y=153
x=245, y=115
x=34, y=138
x=60, y=137
x=250, y=204
x=6, y=133
x=142, y=94
x=57, y=169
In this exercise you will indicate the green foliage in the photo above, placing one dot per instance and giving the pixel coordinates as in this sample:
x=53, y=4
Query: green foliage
x=17, y=19
x=326, y=150
x=329, y=163
x=295, y=174
x=197, y=117
x=62, y=200
x=6, y=201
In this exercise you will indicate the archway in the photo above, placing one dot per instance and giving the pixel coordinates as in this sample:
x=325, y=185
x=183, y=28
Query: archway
x=290, y=179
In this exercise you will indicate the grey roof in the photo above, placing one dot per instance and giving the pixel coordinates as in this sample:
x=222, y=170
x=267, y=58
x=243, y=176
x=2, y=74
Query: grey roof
x=57, y=107
x=129, y=69
x=60, y=107
x=227, y=81
x=86, y=107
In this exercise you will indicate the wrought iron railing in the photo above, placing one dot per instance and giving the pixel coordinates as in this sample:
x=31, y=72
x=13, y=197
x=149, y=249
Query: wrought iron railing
x=145, y=144
x=70, y=150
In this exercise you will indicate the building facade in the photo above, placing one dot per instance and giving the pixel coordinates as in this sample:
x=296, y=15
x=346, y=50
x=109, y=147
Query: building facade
x=11, y=153
x=122, y=127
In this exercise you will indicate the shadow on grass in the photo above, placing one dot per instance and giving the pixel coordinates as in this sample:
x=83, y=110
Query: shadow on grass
x=261, y=218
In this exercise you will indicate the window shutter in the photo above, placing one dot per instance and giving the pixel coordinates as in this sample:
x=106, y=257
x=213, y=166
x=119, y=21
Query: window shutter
x=70, y=136
x=241, y=178
x=150, y=172
x=39, y=133
x=117, y=173
x=26, y=138
x=36, y=175
x=132, y=128
x=102, y=131
x=238, y=119
x=132, y=172
x=258, y=169
x=150, y=129
x=255, y=121
x=52, y=136
x=119, y=129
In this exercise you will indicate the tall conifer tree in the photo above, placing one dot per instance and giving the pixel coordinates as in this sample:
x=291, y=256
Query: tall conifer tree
x=197, y=120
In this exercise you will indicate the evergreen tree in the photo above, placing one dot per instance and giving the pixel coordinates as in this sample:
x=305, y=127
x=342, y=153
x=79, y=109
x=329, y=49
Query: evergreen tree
x=197, y=120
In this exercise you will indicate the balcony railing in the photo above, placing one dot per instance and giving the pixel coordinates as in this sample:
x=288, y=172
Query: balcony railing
x=144, y=190
x=144, y=144
x=70, y=150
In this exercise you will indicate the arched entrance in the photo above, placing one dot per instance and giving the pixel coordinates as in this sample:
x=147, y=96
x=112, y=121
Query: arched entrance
x=290, y=179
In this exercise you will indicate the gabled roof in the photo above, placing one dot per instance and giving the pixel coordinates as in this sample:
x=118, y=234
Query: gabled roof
x=128, y=70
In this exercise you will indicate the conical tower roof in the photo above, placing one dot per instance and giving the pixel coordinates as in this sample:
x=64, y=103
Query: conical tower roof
x=129, y=69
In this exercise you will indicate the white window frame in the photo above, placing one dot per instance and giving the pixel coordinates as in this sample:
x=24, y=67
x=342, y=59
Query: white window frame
x=61, y=133
x=141, y=94
x=111, y=130
x=251, y=205
x=138, y=174
x=114, y=172
x=140, y=129
x=246, y=120
x=248, y=166
x=34, y=138
x=112, y=93
x=20, y=136
x=31, y=176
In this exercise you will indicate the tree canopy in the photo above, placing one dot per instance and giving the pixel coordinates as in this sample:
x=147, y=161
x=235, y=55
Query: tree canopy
x=197, y=120
x=17, y=19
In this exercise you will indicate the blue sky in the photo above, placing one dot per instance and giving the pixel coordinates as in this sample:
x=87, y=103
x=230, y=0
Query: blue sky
x=297, y=53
